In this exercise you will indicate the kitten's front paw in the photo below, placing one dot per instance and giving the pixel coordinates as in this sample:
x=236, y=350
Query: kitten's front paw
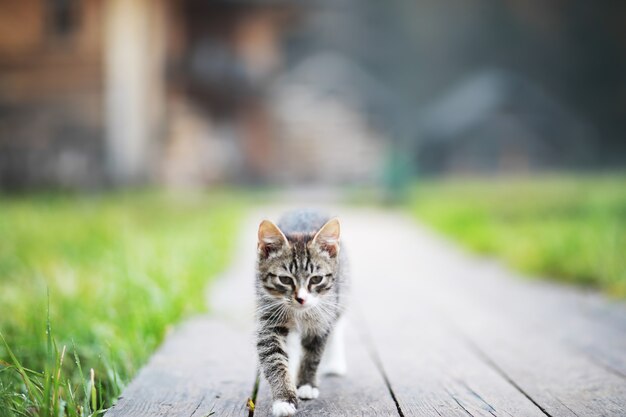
x=283, y=409
x=307, y=392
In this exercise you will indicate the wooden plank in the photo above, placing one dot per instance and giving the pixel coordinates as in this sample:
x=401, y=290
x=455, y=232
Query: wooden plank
x=429, y=368
x=561, y=347
x=583, y=322
x=362, y=392
x=205, y=366
x=490, y=345
x=431, y=371
x=555, y=374
x=454, y=335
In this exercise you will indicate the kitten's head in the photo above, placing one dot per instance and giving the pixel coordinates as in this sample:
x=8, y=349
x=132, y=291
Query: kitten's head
x=298, y=269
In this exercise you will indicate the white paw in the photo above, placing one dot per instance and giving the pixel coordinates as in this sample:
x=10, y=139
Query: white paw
x=283, y=409
x=307, y=392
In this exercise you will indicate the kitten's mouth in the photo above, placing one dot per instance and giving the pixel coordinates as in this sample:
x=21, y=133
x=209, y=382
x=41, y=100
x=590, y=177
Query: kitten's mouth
x=301, y=306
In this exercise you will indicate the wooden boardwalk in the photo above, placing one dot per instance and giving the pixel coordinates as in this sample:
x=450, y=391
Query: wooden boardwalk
x=432, y=331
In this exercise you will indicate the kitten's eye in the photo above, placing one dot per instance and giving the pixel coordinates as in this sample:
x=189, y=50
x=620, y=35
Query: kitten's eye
x=315, y=279
x=285, y=280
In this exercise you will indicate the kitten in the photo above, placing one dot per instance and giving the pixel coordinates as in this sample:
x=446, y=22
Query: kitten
x=301, y=288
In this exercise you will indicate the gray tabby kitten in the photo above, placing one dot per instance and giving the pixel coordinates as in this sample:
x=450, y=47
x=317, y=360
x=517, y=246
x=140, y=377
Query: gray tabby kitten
x=301, y=285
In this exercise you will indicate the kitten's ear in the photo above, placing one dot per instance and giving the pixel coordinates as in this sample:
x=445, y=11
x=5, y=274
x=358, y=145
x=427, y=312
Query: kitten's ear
x=270, y=238
x=327, y=238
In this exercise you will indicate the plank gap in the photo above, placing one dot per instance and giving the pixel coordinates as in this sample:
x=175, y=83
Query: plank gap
x=606, y=366
x=489, y=362
x=375, y=357
x=490, y=408
x=460, y=405
x=198, y=406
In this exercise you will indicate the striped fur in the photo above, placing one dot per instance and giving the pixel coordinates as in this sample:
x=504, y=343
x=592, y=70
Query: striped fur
x=301, y=285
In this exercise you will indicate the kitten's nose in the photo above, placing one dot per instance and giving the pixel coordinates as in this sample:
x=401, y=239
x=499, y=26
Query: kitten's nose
x=301, y=296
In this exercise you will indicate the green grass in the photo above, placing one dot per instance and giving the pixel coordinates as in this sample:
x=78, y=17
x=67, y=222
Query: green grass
x=112, y=273
x=568, y=228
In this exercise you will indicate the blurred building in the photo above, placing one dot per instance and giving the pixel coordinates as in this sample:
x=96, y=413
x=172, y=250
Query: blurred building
x=495, y=122
x=129, y=91
x=195, y=92
x=323, y=130
x=51, y=92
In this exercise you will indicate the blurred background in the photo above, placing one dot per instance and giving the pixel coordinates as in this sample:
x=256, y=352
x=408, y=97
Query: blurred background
x=499, y=123
x=192, y=93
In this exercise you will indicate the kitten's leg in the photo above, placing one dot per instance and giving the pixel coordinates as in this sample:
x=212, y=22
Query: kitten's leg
x=294, y=352
x=334, y=358
x=312, y=350
x=275, y=365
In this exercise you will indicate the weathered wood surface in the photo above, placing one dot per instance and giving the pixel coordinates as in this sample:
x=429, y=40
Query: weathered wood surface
x=206, y=366
x=508, y=346
x=435, y=332
x=361, y=392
